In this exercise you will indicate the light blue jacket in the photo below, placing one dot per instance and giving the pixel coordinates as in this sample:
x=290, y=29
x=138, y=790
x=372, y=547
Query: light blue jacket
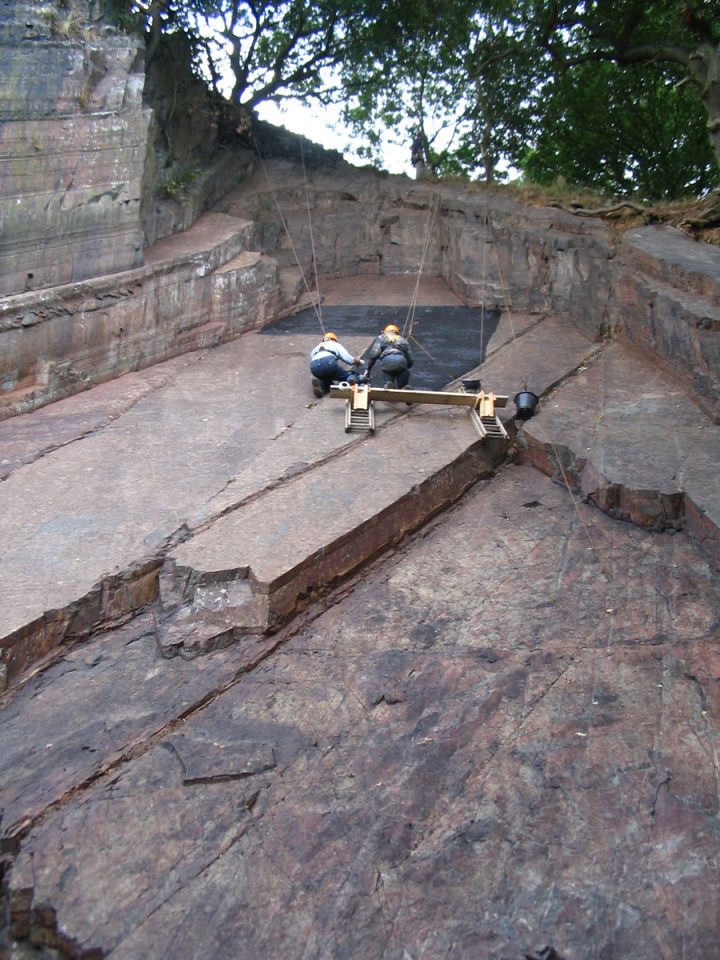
x=333, y=347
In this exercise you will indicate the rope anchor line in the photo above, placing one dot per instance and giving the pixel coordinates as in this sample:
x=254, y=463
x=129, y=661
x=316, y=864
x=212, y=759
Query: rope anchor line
x=315, y=298
x=429, y=226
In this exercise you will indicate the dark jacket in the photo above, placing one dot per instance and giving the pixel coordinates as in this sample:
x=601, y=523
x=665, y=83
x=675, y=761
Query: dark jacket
x=384, y=346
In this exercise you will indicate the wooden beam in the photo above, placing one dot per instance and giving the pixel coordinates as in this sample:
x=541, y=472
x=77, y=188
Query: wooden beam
x=360, y=396
x=486, y=404
x=487, y=400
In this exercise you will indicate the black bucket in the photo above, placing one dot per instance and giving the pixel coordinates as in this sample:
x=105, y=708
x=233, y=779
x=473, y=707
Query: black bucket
x=471, y=386
x=525, y=401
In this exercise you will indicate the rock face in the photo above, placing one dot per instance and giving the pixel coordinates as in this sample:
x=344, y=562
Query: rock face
x=273, y=689
x=666, y=296
x=72, y=212
x=493, y=747
x=74, y=139
x=486, y=742
x=487, y=247
x=490, y=250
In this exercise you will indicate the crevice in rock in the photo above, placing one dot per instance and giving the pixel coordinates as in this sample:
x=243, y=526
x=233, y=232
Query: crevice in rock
x=664, y=785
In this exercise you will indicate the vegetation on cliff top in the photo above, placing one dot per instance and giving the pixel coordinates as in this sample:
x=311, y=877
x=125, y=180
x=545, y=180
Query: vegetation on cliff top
x=622, y=97
x=698, y=218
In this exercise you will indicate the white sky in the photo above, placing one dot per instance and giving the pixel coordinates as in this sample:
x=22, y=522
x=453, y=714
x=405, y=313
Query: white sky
x=325, y=128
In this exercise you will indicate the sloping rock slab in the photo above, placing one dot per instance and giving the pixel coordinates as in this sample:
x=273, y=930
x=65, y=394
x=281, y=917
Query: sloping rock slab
x=297, y=540
x=80, y=717
x=628, y=438
x=305, y=535
x=499, y=745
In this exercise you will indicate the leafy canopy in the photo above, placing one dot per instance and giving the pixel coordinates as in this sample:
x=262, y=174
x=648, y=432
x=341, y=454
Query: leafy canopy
x=623, y=96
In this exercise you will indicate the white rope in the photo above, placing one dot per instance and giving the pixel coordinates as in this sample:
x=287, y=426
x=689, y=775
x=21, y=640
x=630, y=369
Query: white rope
x=486, y=224
x=429, y=226
x=287, y=232
x=312, y=242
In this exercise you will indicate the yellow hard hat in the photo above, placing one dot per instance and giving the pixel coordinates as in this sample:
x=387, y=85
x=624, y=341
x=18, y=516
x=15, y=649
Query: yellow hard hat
x=329, y=336
x=391, y=328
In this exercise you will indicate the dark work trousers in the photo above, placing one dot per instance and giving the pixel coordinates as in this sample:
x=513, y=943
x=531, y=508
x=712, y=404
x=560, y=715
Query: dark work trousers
x=395, y=369
x=329, y=370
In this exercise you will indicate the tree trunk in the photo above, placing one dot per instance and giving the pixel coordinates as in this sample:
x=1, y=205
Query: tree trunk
x=488, y=157
x=155, y=30
x=704, y=71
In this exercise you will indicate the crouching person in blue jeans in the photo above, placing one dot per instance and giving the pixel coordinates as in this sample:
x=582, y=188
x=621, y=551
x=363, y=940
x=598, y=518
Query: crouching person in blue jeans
x=330, y=362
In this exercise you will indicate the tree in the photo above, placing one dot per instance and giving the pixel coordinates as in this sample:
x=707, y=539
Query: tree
x=501, y=81
x=397, y=74
x=498, y=81
x=257, y=50
x=682, y=34
x=512, y=75
x=658, y=149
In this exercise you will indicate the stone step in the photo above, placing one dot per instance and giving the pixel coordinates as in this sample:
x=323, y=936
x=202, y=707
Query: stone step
x=169, y=217
x=213, y=239
x=284, y=559
x=89, y=331
x=678, y=324
x=200, y=338
x=674, y=258
x=631, y=440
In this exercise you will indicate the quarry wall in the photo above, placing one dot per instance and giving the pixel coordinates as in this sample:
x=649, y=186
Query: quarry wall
x=90, y=289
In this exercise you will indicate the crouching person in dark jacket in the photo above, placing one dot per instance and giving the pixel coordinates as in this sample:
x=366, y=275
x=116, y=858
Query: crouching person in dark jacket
x=394, y=355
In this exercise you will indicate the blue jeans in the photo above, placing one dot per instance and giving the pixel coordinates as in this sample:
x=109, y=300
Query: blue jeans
x=328, y=370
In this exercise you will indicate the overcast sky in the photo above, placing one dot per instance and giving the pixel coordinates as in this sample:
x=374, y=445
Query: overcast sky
x=326, y=129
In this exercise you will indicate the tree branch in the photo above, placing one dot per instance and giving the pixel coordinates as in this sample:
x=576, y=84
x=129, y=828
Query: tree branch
x=644, y=54
x=601, y=211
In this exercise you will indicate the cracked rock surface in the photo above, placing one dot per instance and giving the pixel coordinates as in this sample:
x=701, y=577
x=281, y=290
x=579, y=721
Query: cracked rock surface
x=496, y=740
x=503, y=738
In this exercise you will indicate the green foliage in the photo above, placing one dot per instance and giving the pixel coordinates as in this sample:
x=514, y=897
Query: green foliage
x=580, y=89
x=414, y=78
x=122, y=14
x=251, y=52
x=127, y=22
x=177, y=186
x=622, y=131
x=559, y=91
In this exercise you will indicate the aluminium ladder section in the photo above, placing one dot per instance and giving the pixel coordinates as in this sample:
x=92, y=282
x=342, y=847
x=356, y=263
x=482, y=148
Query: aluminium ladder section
x=485, y=420
x=359, y=410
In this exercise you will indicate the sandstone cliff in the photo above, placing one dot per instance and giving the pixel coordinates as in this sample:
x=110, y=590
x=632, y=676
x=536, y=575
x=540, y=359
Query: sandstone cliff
x=74, y=137
x=269, y=688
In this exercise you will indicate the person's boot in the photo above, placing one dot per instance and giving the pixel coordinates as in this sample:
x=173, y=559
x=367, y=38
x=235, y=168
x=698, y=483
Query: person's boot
x=318, y=388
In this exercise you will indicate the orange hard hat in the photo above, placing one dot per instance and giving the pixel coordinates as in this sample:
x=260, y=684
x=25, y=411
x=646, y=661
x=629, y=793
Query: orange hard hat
x=391, y=328
x=329, y=336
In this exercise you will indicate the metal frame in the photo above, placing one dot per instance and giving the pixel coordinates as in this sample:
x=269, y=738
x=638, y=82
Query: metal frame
x=360, y=415
x=359, y=411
